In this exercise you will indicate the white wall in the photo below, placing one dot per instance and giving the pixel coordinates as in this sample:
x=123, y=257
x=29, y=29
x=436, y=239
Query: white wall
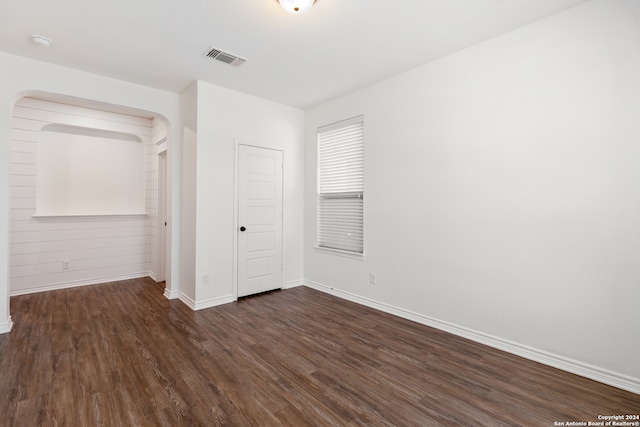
x=97, y=248
x=21, y=77
x=502, y=193
x=189, y=181
x=225, y=118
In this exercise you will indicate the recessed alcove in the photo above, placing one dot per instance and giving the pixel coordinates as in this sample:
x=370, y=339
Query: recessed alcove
x=89, y=171
x=84, y=204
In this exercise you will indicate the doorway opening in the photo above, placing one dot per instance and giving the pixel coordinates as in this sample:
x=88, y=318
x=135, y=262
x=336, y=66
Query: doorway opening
x=161, y=269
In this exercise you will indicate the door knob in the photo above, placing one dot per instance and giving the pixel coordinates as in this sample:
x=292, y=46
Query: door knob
x=243, y=228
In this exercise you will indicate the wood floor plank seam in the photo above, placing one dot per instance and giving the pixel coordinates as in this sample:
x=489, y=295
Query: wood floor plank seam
x=121, y=354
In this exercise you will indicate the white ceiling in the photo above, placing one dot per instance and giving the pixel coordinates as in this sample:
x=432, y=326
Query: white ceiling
x=299, y=60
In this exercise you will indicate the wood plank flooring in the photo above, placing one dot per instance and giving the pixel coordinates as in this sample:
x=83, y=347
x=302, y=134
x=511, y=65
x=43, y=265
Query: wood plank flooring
x=120, y=354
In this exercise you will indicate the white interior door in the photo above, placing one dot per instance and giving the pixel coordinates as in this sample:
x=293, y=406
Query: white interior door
x=259, y=220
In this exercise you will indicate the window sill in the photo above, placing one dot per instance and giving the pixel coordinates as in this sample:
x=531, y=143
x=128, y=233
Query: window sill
x=345, y=254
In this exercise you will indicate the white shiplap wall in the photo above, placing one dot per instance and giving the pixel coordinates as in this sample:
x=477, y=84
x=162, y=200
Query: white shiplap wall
x=98, y=248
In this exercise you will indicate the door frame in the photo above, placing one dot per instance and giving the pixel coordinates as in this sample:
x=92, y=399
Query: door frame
x=236, y=200
x=161, y=244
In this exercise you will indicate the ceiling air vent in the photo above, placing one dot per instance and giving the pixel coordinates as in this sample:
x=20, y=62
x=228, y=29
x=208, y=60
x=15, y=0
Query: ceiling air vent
x=226, y=57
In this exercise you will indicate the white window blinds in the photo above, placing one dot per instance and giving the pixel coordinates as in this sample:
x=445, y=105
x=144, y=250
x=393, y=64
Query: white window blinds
x=341, y=185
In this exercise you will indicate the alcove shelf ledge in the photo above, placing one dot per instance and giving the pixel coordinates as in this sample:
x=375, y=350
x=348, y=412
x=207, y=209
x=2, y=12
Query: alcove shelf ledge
x=92, y=215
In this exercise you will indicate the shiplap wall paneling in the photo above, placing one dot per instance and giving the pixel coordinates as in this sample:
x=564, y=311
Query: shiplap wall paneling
x=97, y=248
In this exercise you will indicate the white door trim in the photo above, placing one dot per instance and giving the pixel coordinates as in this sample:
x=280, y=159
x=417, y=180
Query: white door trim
x=236, y=189
x=161, y=244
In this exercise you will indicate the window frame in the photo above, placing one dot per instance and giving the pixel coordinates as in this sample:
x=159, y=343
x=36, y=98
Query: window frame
x=332, y=183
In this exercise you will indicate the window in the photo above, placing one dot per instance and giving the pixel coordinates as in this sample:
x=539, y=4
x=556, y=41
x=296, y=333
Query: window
x=341, y=186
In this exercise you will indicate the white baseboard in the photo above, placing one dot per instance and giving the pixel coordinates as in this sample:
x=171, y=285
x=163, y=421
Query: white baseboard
x=595, y=373
x=77, y=283
x=171, y=294
x=293, y=284
x=213, y=302
x=187, y=301
x=5, y=327
x=208, y=303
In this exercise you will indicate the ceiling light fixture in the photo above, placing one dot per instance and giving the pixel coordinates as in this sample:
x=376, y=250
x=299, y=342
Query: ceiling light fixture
x=40, y=40
x=296, y=6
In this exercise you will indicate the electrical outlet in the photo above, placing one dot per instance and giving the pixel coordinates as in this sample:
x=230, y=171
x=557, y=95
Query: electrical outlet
x=372, y=278
x=65, y=264
x=205, y=279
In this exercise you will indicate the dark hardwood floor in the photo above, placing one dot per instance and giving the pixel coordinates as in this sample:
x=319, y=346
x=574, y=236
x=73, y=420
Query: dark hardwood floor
x=120, y=354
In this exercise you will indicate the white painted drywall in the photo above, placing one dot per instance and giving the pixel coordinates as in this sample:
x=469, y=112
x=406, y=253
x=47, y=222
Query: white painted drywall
x=21, y=76
x=225, y=118
x=502, y=189
x=189, y=101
